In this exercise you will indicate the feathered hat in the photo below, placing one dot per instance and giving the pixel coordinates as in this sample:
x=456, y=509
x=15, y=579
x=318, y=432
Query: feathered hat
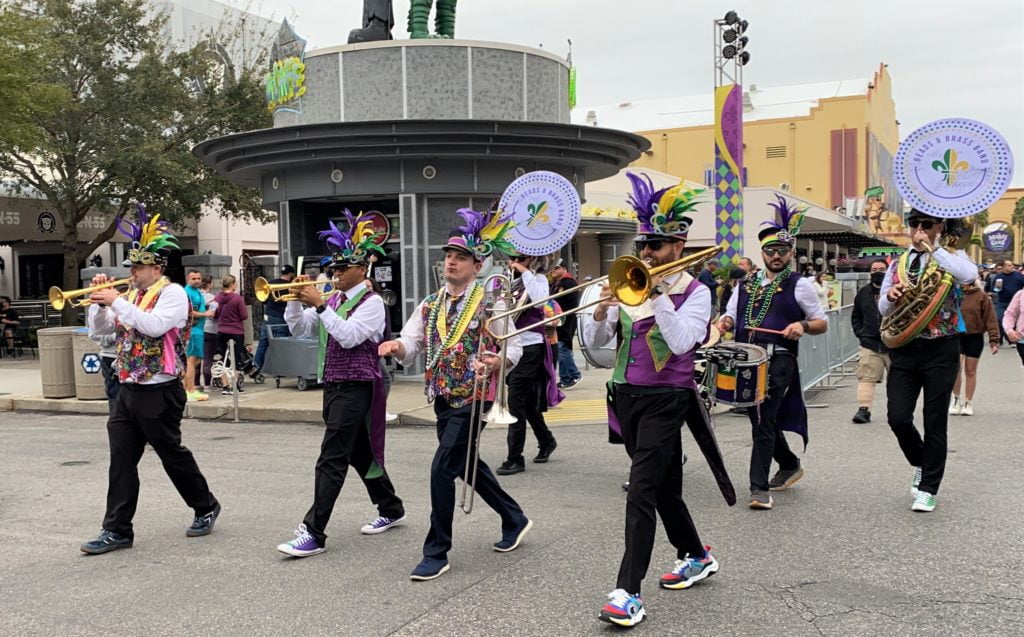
x=785, y=230
x=354, y=246
x=483, y=234
x=151, y=238
x=662, y=212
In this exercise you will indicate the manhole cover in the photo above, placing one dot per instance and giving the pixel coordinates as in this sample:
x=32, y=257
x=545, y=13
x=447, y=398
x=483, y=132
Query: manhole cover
x=74, y=463
x=223, y=438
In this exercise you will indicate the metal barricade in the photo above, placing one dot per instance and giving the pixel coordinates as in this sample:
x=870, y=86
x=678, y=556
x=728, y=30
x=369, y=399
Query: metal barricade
x=825, y=356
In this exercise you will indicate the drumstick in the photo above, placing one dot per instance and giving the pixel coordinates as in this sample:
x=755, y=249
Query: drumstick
x=765, y=330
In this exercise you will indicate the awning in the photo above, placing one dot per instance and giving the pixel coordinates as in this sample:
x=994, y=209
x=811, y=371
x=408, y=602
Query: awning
x=848, y=239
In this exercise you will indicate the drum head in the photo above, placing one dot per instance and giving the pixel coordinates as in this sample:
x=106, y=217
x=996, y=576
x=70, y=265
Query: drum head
x=755, y=354
x=601, y=357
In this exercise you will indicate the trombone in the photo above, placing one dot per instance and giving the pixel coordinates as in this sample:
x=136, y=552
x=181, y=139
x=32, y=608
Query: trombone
x=59, y=298
x=630, y=282
x=264, y=289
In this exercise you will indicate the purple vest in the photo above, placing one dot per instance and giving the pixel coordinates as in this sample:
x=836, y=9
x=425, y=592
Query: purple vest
x=356, y=363
x=783, y=311
x=530, y=316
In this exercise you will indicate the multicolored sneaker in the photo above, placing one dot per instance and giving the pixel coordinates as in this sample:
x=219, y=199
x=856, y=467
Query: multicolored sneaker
x=382, y=524
x=690, y=570
x=197, y=396
x=916, y=482
x=924, y=502
x=623, y=609
x=303, y=545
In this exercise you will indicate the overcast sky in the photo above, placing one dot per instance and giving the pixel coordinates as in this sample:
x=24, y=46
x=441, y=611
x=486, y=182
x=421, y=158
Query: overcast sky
x=946, y=59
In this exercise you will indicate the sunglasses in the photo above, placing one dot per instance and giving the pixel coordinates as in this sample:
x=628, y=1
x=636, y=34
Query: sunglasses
x=518, y=258
x=922, y=223
x=653, y=244
x=776, y=251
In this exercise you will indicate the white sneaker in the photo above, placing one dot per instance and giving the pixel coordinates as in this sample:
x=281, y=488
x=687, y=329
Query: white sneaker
x=924, y=502
x=968, y=409
x=954, y=406
x=390, y=417
x=916, y=482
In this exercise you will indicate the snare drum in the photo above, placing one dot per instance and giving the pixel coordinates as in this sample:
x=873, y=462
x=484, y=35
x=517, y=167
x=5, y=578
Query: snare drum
x=741, y=374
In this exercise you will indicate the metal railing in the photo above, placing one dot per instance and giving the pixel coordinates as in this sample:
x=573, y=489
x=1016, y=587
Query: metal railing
x=825, y=356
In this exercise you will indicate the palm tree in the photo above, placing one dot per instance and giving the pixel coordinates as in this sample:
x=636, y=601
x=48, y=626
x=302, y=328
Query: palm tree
x=1017, y=221
x=978, y=223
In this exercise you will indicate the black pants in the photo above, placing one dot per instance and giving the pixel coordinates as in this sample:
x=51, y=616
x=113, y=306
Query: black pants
x=770, y=441
x=454, y=445
x=651, y=430
x=347, y=442
x=111, y=383
x=527, y=400
x=1020, y=351
x=141, y=414
x=929, y=365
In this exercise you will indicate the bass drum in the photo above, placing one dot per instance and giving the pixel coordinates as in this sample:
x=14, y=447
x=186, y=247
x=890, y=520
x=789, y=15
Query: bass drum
x=601, y=357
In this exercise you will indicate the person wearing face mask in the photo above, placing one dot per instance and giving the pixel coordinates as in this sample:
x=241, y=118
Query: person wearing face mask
x=873, y=362
x=783, y=302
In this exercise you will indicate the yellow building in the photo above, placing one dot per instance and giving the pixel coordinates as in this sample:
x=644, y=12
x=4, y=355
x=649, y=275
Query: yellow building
x=1000, y=217
x=827, y=143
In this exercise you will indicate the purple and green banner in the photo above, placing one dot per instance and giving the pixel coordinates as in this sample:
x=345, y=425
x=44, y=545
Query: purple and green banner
x=728, y=171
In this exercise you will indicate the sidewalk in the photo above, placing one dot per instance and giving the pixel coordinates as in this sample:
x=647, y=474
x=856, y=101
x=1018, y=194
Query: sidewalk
x=21, y=390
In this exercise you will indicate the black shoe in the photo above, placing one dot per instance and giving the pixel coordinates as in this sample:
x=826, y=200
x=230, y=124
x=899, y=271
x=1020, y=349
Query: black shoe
x=862, y=416
x=545, y=452
x=106, y=542
x=625, y=485
x=785, y=478
x=572, y=383
x=511, y=467
x=203, y=524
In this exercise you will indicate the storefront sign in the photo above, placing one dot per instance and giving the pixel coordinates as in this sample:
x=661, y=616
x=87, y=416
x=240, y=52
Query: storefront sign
x=998, y=241
x=874, y=191
x=25, y=219
x=286, y=81
x=381, y=226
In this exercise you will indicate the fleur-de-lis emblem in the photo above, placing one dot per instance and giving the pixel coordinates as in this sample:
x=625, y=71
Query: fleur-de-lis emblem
x=538, y=212
x=949, y=166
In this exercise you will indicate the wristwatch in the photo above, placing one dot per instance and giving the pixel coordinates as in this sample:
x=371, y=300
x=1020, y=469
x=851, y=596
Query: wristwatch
x=656, y=291
x=806, y=325
x=321, y=308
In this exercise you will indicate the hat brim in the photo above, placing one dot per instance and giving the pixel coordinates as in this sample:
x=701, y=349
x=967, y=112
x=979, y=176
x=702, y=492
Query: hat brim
x=458, y=248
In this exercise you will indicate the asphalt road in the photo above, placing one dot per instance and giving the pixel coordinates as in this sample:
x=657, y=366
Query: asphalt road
x=841, y=554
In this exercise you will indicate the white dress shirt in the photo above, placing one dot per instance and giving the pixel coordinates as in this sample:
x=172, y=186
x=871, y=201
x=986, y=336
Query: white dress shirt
x=365, y=322
x=806, y=298
x=956, y=263
x=414, y=339
x=171, y=310
x=536, y=287
x=683, y=328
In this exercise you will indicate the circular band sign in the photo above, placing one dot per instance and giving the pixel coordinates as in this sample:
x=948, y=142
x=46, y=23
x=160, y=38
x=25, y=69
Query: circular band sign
x=953, y=168
x=545, y=209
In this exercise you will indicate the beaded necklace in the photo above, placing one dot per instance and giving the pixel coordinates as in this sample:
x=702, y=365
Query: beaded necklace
x=436, y=323
x=757, y=292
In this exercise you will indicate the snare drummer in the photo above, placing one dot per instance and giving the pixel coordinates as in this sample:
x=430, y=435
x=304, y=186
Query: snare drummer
x=651, y=392
x=777, y=299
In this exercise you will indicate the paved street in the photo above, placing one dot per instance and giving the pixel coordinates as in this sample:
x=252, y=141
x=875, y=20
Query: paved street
x=841, y=554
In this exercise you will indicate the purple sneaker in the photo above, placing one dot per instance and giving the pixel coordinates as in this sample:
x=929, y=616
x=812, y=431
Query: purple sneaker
x=382, y=524
x=303, y=545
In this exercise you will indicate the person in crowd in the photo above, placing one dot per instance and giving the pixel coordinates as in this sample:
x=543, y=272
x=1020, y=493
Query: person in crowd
x=821, y=288
x=231, y=314
x=979, y=318
x=273, y=319
x=873, y=355
x=736, y=276
x=194, y=349
x=1013, y=323
x=209, y=333
x=1004, y=284
x=568, y=373
x=707, y=277
x=9, y=321
x=747, y=265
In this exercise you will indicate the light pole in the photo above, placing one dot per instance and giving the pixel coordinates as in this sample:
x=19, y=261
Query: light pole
x=730, y=55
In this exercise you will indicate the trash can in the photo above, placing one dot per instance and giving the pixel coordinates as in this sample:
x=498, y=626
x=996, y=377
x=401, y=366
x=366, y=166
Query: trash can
x=57, y=362
x=89, y=383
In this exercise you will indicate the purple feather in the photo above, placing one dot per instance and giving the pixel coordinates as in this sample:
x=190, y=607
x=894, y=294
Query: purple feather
x=475, y=221
x=785, y=212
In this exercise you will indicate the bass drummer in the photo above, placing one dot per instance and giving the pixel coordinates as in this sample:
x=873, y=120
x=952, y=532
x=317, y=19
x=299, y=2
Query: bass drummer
x=773, y=309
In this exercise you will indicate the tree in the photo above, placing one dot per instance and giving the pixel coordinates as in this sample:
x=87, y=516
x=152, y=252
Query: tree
x=978, y=223
x=1017, y=219
x=123, y=110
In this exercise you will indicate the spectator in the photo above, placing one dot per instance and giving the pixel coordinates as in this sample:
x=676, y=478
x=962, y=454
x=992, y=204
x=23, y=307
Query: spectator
x=821, y=287
x=209, y=334
x=273, y=315
x=736, y=277
x=231, y=315
x=194, y=351
x=747, y=265
x=1013, y=323
x=707, y=277
x=9, y=320
x=874, y=355
x=568, y=373
x=979, y=317
x=1005, y=285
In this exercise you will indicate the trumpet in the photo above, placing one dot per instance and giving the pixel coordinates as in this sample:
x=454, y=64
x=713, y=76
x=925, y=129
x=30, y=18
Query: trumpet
x=264, y=290
x=630, y=282
x=59, y=298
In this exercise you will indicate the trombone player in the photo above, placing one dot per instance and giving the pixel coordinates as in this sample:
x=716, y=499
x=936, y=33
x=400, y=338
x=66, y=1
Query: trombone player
x=652, y=390
x=350, y=327
x=447, y=327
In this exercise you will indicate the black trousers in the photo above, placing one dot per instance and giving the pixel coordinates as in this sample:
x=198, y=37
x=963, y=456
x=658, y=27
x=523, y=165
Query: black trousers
x=769, y=442
x=454, y=445
x=929, y=365
x=527, y=400
x=111, y=383
x=347, y=442
x=651, y=430
x=141, y=414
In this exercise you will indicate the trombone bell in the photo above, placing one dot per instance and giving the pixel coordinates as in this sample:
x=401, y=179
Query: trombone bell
x=59, y=298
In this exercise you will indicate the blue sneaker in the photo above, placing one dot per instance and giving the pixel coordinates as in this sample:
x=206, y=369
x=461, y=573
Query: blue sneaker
x=303, y=545
x=690, y=570
x=510, y=539
x=203, y=524
x=106, y=542
x=623, y=609
x=428, y=569
x=382, y=524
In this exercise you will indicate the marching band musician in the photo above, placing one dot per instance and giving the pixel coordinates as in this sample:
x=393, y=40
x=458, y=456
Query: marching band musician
x=350, y=327
x=446, y=326
x=532, y=385
x=781, y=301
x=150, y=327
x=651, y=392
x=929, y=362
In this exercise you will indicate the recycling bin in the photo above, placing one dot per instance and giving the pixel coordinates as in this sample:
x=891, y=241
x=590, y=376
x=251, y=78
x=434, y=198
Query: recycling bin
x=89, y=383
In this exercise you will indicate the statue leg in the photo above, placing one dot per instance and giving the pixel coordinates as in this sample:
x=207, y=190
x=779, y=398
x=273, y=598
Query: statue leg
x=419, y=15
x=444, y=21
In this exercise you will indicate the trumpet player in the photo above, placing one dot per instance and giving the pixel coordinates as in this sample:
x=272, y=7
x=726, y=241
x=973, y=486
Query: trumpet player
x=350, y=326
x=652, y=391
x=930, y=361
x=149, y=326
x=447, y=327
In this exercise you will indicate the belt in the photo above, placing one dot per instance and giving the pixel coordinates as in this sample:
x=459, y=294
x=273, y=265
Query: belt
x=151, y=386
